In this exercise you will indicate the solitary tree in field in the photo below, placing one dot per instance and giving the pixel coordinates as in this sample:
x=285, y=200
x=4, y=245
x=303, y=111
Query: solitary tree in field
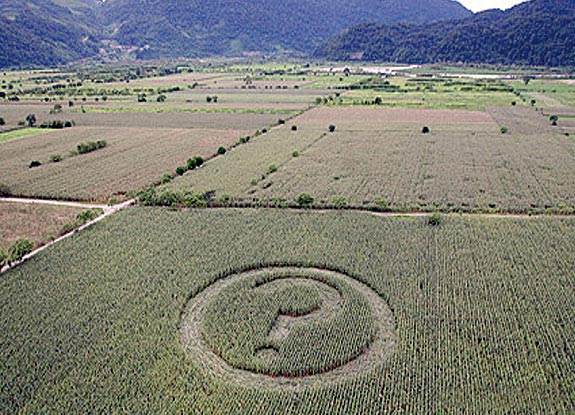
x=31, y=120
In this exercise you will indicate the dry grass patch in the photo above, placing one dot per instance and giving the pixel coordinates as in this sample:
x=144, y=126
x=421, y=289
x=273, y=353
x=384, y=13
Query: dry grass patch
x=38, y=223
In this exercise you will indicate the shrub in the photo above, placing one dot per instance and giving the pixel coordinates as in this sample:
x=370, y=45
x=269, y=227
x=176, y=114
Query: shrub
x=513, y=103
x=88, y=215
x=504, y=130
x=34, y=163
x=244, y=140
x=55, y=158
x=90, y=146
x=281, y=121
x=5, y=190
x=295, y=154
x=3, y=258
x=425, y=130
x=161, y=98
x=331, y=128
x=305, y=200
x=272, y=169
x=19, y=249
x=112, y=201
x=435, y=219
x=294, y=127
x=381, y=203
x=181, y=170
x=21, y=123
x=70, y=103
x=2, y=121
x=57, y=124
x=339, y=201
x=142, y=98
x=221, y=151
x=166, y=178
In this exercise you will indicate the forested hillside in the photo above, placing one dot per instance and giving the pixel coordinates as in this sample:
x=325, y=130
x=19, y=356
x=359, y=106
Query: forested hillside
x=47, y=32
x=539, y=32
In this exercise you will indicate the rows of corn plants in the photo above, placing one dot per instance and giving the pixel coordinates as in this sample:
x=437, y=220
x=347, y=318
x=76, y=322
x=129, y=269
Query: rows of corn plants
x=483, y=314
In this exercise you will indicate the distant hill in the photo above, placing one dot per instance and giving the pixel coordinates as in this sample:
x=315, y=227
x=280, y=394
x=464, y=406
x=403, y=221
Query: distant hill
x=42, y=32
x=215, y=27
x=538, y=32
x=49, y=32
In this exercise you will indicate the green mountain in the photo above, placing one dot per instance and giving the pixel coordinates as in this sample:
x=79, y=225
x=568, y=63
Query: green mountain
x=50, y=32
x=216, y=27
x=46, y=32
x=538, y=32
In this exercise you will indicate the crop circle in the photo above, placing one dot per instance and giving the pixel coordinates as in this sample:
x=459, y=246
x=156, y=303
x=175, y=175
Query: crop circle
x=287, y=327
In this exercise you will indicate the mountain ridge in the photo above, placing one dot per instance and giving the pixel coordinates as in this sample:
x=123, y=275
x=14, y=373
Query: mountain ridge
x=45, y=32
x=538, y=32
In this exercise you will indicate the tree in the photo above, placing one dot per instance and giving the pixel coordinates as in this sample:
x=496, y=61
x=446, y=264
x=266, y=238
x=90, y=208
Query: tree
x=31, y=120
x=2, y=122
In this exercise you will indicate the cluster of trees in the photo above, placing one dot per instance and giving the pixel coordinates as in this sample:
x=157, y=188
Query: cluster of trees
x=539, y=32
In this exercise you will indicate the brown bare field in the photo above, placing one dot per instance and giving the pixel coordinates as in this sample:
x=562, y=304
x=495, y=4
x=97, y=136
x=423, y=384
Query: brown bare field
x=134, y=158
x=38, y=223
x=369, y=118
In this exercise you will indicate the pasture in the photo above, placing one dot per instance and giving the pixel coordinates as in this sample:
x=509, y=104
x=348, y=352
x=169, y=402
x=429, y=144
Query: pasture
x=473, y=315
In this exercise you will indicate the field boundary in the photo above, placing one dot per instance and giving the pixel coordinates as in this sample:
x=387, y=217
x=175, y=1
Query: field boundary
x=108, y=210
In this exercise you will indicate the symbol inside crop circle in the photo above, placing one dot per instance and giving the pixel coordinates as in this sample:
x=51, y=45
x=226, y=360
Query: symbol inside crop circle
x=287, y=327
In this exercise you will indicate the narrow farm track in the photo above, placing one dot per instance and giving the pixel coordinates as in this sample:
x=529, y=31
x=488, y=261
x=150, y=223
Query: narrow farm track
x=108, y=210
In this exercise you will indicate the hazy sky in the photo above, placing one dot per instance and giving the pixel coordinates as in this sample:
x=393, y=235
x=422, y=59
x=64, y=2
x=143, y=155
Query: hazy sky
x=478, y=5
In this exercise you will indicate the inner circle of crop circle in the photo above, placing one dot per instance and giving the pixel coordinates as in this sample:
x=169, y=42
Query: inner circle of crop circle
x=287, y=327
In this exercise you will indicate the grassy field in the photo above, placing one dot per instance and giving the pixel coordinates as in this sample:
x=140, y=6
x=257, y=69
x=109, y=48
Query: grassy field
x=380, y=158
x=431, y=93
x=482, y=314
x=38, y=223
x=18, y=134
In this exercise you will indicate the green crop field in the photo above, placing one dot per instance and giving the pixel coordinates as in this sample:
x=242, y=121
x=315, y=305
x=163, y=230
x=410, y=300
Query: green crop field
x=471, y=316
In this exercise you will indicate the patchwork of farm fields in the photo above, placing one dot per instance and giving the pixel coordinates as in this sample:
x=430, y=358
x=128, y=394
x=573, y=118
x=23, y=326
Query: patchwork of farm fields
x=378, y=158
x=245, y=310
x=471, y=316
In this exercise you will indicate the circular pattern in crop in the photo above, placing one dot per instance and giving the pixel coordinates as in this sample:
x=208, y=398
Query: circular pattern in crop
x=287, y=327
